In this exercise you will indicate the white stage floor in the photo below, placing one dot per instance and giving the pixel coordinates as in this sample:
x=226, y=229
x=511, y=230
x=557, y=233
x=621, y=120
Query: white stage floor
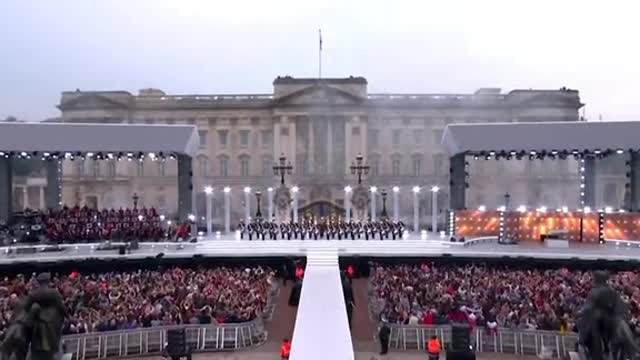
x=374, y=248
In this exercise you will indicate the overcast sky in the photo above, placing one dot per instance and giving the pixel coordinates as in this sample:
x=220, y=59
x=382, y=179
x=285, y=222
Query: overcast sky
x=233, y=46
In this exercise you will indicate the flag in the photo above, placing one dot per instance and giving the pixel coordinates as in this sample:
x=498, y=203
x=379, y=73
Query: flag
x=320, y=35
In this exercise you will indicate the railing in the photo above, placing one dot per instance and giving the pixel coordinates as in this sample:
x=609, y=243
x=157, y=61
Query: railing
x=519, y=342
x=151, y=341
x=435, y=97
x=221, y=97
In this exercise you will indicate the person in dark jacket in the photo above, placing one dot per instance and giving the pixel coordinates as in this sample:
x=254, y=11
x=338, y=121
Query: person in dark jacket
x=383, y=335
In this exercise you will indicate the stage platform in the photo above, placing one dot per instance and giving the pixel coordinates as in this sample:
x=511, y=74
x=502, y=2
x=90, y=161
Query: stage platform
x=473, y=248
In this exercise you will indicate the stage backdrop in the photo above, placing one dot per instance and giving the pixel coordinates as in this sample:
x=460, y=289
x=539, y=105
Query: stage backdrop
x=625, y=226
x=532, y=225
x=476, y=223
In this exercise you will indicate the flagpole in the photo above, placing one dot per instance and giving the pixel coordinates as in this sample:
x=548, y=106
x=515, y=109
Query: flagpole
x=320, y=55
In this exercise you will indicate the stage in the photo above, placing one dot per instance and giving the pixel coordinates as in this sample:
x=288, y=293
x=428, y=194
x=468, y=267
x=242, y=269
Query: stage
x=474, y=248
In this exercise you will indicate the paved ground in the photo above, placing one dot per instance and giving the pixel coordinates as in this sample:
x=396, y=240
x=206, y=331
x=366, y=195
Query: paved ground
x=261, y=355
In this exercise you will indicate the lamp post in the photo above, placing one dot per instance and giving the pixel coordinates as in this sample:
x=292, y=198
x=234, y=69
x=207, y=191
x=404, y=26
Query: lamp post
x=507, y=199
x=416, y=209
x=208, y=190
x=282, y=169
x=270, y=203
x=227, y=210
x=347, y=202
x=434, y=208
x=258, y=212
x=247, y=205
x=295, y=190
x=383, y=214
x=396, y=204
x=135, y=199
x=373, y=191
x=359, y=168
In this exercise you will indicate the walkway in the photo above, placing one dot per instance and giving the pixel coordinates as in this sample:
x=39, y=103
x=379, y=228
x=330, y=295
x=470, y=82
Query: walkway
x=322, y=329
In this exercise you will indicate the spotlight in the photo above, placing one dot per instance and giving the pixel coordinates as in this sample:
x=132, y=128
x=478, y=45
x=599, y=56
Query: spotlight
x=227, y=189
x=416, y=189
x=435, y=188
x=270, y=189
x=482, y=208
x=295, y=189
x=587, y=209
x=522, y=208
x=373, y=189
x=619, y=151
x=396, y=189
x=347, y=189
x=208, y=190
x=247, y=190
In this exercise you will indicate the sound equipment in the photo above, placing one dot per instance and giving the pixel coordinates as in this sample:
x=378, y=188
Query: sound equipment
x=460, y=337
x=461, y=355
x=122, y=250
x=177, y=342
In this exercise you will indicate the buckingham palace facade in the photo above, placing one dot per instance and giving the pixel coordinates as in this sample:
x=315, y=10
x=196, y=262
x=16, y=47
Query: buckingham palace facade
x=320, y=126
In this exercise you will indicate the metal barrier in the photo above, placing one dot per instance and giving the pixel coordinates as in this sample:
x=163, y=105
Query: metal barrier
x=519, y=342
x=151, y=341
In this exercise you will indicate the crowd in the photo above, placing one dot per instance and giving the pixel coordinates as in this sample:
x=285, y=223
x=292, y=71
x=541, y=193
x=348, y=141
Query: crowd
x=127, y=300
x=493, y=297
x=324, y=229
x=83, y=224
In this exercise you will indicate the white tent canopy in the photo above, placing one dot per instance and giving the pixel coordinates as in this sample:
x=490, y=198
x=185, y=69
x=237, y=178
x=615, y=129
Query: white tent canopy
x=74, y=137
x=539, y=136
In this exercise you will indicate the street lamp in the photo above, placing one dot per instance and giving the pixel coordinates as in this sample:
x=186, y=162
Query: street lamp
x=359, y=168
x=270, y=203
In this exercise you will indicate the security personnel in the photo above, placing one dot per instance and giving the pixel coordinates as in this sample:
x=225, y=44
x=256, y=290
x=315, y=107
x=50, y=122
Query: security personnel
x=434, y=348
x=285, y=349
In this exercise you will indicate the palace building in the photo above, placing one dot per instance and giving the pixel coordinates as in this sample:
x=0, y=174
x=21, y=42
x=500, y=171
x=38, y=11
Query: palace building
x=320, y=126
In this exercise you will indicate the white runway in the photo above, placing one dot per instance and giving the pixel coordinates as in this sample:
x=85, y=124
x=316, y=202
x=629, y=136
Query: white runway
x=322, y=329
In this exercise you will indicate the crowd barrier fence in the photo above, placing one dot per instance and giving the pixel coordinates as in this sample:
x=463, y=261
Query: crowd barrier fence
x=504, y=340
x=151, y=341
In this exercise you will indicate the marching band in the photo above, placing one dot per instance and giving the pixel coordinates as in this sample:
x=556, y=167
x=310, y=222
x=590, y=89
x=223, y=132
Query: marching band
x=322, y=230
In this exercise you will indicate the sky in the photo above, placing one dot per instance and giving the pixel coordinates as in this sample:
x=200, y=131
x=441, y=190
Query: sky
x=235, y=46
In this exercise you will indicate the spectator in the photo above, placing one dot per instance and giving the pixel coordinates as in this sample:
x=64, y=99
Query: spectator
x=128, y=300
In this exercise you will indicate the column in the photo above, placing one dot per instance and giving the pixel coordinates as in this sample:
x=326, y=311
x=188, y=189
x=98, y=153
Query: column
x=247, y=205
x=347, y=203
x=185, y=188
x=434, y=209
x=329, y=149
x=53, y=195
x=458, y=181
x=294, y=191
x=416, y=209
x=25, y=197
x=634, y=181
x=6, y=189
x=270, y=203
x=227, y=210
x=396, y=204
x=311, y=147
x=588, y=170
x=209, y=205
x=43, y=202
x=373, y=190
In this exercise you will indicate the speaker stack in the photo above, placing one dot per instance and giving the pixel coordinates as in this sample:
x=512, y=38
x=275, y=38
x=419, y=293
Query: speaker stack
x=177, y=344
x=460, y=343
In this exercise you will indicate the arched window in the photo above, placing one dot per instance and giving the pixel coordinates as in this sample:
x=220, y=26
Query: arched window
x=267, y=166
x=111, y=168
x=396, y=162
x=416, y=164
x=223, y=161
x=203, y=165
x=245, y=162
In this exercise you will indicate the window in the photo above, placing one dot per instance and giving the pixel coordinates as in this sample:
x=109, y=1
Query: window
x=418, y=136
x=161, y=168
x=80, y=167
x=95, y=168
x=395, y=139
x=111, y=168
x=395, y=166
x=438, y=161
x=203, y=166
x=416, y=162
x=203, y=138
x=224, y=166
x=610, y=195
x=355, y=131
x=437, y=136
x=267, y=166
x=223, y=137
x=375, y=165
x=267, y=138
x=244, y=138
x=244, y=165
x=140, y=168
x=373, y=138
x=284, y=131
x=303, y=166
